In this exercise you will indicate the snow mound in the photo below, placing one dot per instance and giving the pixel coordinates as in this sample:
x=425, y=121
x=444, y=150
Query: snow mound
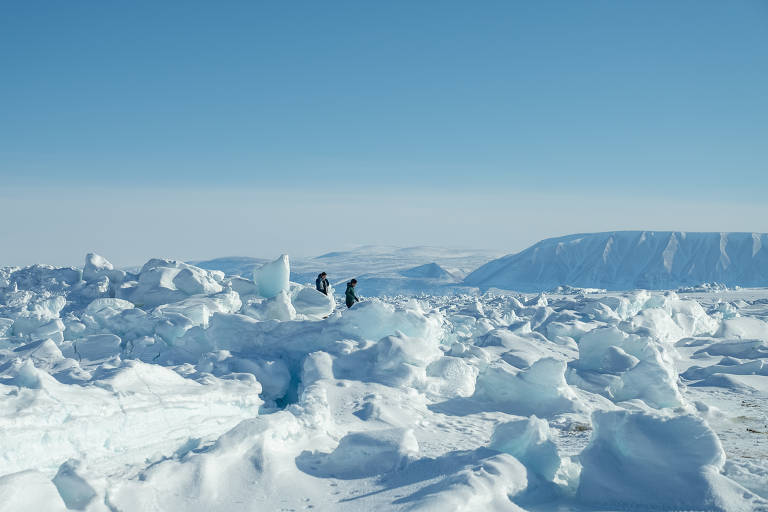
x=675, y=463
x=529, y=441
x=164, y=281
x=122, y=413
x=312, y=303
x=540, y=389
x=361, y=454
x=744, y=328
x=486, y=486
x=625, y=366
x=97, y=267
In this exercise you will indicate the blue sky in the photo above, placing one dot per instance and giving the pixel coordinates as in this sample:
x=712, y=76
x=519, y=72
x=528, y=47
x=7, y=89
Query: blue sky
x=468, y=109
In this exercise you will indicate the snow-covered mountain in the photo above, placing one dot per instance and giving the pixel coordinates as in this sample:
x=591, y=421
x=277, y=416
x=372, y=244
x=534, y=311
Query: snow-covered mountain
x=621, y=260
x=430, y=271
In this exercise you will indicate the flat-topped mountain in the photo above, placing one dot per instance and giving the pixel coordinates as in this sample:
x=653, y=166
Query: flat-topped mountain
x=621, y=260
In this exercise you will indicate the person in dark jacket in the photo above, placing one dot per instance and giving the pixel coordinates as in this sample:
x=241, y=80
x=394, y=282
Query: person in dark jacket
x=350, y=293
x=321, y=283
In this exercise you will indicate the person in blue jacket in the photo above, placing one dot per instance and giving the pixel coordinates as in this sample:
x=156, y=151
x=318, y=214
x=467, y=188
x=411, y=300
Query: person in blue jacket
x=321, y=283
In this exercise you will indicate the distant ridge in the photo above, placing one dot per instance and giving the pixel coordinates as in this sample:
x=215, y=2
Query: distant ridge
x=621, y=260
x=430, y=271
x=232, y=265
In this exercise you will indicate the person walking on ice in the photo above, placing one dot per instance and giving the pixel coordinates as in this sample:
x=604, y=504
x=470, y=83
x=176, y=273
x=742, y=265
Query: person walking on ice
x=350, y=293
x=321, y=283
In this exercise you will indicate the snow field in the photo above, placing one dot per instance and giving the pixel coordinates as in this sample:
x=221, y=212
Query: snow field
x=179, y=388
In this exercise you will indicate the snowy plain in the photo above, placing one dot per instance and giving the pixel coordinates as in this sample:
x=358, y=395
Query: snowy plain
x=181, y=388
x=386, y=270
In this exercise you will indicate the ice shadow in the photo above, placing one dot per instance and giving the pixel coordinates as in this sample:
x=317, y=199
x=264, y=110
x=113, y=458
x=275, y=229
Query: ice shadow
x=428, y=468
x=467, y=406
x=420, y=470
x=438, y=473
x=463, y=407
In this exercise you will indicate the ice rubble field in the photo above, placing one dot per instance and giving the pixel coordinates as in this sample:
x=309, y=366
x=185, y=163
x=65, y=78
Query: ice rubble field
x=179, y=388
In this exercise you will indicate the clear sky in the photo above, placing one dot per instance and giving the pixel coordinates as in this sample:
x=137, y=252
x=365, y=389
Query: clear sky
x=198, y=129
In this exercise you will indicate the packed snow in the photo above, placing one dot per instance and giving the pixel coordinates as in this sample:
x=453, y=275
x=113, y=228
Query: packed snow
x=624, y=260
x=182, y=388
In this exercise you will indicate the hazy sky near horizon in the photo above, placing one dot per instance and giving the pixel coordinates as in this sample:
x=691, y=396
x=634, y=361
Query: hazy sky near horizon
x=200, y=129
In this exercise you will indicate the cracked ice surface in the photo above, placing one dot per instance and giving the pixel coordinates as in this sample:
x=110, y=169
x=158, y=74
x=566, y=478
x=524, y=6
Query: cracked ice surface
x=179, y=388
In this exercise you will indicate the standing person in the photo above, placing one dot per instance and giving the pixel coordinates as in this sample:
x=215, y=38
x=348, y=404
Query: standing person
x=321, y=283
x=350, y=293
